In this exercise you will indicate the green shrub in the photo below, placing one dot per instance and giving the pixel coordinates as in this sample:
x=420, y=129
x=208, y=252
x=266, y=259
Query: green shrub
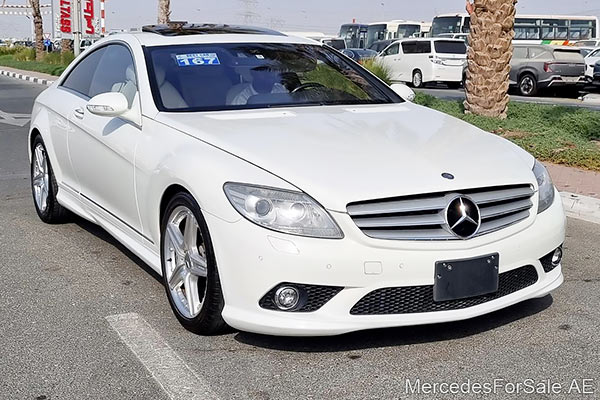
x=67, y=57
x=26, y=54
x=378, y=69
x=52, y=58
x=9, y=50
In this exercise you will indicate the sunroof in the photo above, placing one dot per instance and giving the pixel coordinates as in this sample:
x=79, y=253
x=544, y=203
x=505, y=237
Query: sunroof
x=175, y=28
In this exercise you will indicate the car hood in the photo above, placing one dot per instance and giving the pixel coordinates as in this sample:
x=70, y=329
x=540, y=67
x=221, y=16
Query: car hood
x=342, y=154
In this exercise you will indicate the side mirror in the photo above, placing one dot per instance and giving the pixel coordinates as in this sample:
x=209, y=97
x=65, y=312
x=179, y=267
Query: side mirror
x=404, y=91
x=111, y=104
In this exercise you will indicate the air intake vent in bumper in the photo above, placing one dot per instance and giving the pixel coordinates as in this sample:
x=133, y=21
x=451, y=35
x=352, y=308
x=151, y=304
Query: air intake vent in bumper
x=419, y=299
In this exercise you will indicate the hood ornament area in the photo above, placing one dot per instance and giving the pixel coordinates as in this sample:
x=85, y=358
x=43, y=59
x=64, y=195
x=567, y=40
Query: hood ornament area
x=463, y=217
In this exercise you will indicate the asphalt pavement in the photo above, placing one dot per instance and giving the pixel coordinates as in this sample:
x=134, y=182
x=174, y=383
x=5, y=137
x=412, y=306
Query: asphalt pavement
x=83, y=318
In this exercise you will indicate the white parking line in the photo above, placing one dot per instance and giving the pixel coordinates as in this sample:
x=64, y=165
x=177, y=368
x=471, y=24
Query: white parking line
x=177, y=379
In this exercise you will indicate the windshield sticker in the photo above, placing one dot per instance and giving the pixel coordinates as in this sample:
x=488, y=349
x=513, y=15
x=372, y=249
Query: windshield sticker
x=197, y=59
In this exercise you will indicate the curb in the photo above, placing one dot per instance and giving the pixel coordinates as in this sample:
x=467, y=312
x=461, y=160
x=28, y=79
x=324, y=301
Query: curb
x=581, y=207
x=28, y=78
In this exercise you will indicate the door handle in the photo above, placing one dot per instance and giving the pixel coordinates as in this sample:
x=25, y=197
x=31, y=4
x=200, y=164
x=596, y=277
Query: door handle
x=79, y=113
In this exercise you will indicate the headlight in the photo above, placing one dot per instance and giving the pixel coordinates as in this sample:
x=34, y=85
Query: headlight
x=546, y=188
x=282, y=210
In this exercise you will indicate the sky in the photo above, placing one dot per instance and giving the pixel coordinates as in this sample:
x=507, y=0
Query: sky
x=290, y=15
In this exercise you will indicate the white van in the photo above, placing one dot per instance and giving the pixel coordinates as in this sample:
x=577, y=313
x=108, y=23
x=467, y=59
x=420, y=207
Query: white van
x=419, y=61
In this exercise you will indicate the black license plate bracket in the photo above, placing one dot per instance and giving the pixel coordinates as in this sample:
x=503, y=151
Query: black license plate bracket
x=461, y=279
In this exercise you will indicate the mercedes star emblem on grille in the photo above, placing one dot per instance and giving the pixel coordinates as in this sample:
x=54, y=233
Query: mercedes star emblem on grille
x=463, y=217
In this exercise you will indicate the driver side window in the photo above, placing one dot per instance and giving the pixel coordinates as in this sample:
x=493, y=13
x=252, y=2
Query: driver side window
x=392, y=50
x=115, y=73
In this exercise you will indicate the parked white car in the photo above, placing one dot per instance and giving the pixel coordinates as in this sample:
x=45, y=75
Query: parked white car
x=588, y=43
x=420, y=61
x=590, y=61
x=278, y=187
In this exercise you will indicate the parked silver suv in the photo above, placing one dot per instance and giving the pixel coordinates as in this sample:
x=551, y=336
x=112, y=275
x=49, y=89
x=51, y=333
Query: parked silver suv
x=539, y=66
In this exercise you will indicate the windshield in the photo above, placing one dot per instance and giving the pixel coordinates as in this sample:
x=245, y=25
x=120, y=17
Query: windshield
x=354, y=35
x=243, y=76
x=376, y=33
x=409, y=31
x=450, y=47
x=337, y=44
x=446, y=25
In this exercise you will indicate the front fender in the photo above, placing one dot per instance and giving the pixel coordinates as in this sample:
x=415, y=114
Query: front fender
x=167, y=157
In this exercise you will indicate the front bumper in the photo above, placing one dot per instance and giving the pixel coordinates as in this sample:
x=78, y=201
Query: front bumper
x=252, y=260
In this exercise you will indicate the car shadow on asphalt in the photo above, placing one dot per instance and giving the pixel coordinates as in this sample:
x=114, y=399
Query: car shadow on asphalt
x=101, y=234
x=403, y=336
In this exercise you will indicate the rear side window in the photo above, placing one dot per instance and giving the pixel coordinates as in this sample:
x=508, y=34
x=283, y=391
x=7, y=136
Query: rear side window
x=80, y=78
x=409, y=47
x=417, y=47
x=520, y=53
x=450, y=47
x=567, y=55
x=540, y=53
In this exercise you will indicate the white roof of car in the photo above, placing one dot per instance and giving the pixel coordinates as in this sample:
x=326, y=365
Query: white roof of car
x=165, y=35
x=435, y=39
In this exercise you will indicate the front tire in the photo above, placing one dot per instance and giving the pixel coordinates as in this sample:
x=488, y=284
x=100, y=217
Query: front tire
x=44, y=187
x=417, y=80
x=189, y=269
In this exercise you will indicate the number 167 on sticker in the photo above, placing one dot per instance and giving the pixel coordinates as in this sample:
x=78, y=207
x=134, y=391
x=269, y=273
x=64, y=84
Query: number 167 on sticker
x=197, y=59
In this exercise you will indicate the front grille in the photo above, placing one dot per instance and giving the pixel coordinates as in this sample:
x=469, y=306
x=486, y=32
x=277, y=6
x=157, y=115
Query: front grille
x=421, y=217
x=312, y=297
x=419, y=299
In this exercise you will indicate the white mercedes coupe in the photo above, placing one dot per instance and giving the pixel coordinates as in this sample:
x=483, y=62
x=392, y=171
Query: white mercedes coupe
x=280, y=188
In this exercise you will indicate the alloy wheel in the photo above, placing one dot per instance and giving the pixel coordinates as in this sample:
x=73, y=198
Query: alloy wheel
x=40, y=177
x=185, y=262
x=417, y=79
x=527, y=85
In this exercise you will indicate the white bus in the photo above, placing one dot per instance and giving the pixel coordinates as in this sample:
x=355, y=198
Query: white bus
x=396, y=29
x=355, y=35
x=546, y=29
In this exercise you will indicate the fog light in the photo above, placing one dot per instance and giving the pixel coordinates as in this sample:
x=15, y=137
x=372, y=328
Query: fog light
x=557, y=257
x=287, y=297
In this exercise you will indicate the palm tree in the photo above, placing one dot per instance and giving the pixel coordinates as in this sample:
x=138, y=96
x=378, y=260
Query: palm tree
x=164, y=11
x=489, y=55
x=38, y=25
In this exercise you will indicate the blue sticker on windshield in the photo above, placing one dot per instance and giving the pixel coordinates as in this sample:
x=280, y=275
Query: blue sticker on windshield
x=196, y=59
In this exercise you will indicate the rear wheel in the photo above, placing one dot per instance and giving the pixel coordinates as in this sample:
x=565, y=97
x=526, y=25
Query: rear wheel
x=417, y=80
x=44, y=187
x=528, y=85
x=189, y=268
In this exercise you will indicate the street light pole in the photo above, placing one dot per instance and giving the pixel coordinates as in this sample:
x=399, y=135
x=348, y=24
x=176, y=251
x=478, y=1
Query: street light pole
x=77, y=27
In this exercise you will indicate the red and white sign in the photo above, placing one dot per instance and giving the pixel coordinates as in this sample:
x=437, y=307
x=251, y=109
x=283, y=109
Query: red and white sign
x=66, y=18
x=89, y=18
x=88, y=15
